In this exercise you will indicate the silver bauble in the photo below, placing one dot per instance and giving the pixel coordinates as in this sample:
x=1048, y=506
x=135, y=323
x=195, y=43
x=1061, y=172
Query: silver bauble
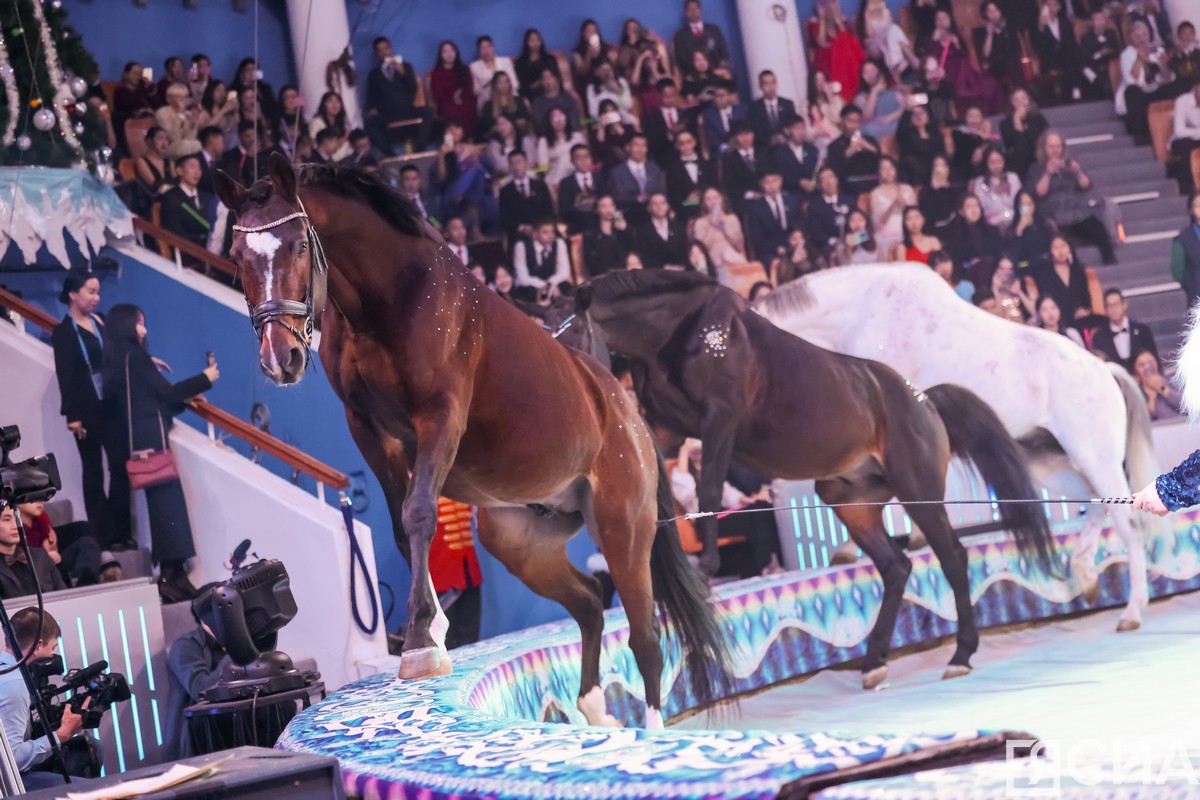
x=78, y=86
x=80, y=108
x=78, y=128
x=6, y=71
x=43, y=119
x=24, y=142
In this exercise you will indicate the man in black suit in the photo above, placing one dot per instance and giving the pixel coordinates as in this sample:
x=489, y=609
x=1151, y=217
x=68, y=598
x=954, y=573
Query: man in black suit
x=184, y=209
x=16, y=570
x=1122, y=339
x=662, y=241
x=664, y=125
x=771, y=217
x=391, y=95
x=1155, y=18
x=699, y=35
x=238, y=162
x=212, y=147
x=688, y=175
x=328, y=143
x=719, y=119
x=579, y=191
x=827, y=212
x=1098, y=46
x=411, y=187
x=770, y=113
x=523, y=199
x=741, y=165
x=632, y=182
x=797, y=158
x=854, y=155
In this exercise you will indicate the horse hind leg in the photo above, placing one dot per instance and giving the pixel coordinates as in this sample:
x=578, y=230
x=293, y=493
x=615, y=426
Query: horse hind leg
x=1139, y=588
x=953, y=558
x=533, y=548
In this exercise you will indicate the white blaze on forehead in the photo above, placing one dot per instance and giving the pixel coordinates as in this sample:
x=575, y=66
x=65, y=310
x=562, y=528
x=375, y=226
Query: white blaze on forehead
x=264, y=243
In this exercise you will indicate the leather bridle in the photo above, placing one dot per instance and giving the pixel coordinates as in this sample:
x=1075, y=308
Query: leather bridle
x=314, y=297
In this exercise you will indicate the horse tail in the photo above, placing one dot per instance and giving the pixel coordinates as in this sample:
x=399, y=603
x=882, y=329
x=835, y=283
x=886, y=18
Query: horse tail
x=1187, y=366
x=1141, y=463
x=685, y=602
x=977, y=435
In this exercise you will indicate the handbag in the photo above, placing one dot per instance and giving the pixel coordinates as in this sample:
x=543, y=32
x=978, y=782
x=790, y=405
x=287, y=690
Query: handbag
x=147, y=468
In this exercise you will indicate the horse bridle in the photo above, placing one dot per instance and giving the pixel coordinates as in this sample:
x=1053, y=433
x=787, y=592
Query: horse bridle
x=314, y=296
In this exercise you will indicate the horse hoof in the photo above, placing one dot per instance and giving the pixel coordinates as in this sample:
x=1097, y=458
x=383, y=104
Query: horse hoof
x=1127, y=625
x=955, y=671
x=423, y=662
x=872, y=679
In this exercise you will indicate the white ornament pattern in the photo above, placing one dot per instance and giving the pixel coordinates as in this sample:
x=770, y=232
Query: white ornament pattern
x=8, y=75
x=63, y=98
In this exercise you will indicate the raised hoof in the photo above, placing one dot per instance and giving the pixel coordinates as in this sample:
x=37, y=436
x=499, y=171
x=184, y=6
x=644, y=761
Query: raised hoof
x=1127, y=625
x=423, y=662
x=873, y=679
x=955, y=671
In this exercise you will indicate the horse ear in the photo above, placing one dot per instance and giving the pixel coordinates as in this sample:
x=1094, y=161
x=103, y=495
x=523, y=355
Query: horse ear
x=283, y=177
x=531, y=309
x=231, y=193
x=583, y=298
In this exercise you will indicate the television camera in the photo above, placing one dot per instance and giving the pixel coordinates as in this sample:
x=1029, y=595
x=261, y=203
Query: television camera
x=93, y=691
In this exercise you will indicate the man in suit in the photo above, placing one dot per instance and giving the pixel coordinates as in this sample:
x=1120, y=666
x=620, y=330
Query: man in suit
x=238, y=162
x=1155, y=18
x=699, y=35
x=1098, y=46
x=633, y=181
x=827, y=210
x=668, y=122
x=410, y=187
x=391, y=97
x=541, y=262
x=18, y=573
x=1122, y=339
x=718, y=120
x=523, y=200
x=771, y=217
x=740, y=166
x=184, y=209
x=854, y=155
x=579, y=191
x=455, y=234
x=770, y=113
x=797, y=158
x=328, y=143
x=688, y=175
x=212, y=147
x=662, y=241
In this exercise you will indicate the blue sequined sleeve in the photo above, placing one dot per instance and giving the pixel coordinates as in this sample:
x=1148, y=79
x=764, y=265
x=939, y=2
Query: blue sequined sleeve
x=1180, y=487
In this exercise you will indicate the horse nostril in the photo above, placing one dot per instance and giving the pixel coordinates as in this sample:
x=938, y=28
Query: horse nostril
x=295, y=363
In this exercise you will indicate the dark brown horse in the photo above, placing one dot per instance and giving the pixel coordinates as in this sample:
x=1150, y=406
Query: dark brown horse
x=710, y=367
x=450, y=390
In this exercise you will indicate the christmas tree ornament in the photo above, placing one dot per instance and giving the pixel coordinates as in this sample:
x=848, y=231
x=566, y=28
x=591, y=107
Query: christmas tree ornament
x=6, y=71
x=78, y=86
x=43, y=119
x=24, y=142
x=80, y=108
x=78, y=128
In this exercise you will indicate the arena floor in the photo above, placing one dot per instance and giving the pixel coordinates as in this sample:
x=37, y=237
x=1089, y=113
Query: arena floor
x=1071, y=682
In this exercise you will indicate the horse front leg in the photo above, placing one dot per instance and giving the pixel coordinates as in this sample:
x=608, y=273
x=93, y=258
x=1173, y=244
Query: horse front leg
x=438, y=433
x=717, y=432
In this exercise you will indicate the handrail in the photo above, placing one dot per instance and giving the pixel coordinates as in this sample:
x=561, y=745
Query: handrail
x=192, y=249
x=321, y=472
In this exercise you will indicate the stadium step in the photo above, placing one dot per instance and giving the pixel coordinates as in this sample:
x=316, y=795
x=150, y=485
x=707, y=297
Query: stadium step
x=1160, y=210
x=1072, y=130
x=1163, y=307
x=1123, y=175
x=1099, y=111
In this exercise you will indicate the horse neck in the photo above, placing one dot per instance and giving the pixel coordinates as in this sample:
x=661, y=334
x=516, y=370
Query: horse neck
x=639, y=327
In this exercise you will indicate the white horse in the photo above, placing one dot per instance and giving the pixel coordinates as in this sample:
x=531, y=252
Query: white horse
x=909, y=318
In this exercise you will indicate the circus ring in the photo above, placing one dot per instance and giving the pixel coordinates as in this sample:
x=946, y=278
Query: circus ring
x=494, y=727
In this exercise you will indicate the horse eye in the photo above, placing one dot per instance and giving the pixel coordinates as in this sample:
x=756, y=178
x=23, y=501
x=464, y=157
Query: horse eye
x=303, y=246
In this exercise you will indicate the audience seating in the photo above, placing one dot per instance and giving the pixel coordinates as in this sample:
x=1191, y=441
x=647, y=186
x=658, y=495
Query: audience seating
x=1162, y=125
x=742, y=277
x=688, y=538
x=135, y=135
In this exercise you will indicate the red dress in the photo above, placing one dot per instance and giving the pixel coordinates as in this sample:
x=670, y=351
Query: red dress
x=840, y=61
x=454, y=97
x=916, y=254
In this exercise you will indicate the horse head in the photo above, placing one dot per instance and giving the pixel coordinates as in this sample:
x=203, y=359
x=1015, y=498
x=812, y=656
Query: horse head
x=566, y=319
x=273, y=247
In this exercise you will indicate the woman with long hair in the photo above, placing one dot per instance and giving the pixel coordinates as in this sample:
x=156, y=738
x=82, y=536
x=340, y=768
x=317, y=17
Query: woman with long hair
x=974, y=242
x=943, y=264
x=247, y=77
x=533, y=61
x=606, y=85
x=719, y=231
x=554, y=149
x=218, y=109
x=504, y=139
x=1065, y=280
x=452, y=89
x=485, y=67
x=939, y=197
x=1020, y=131
x=643, y=61
x=824, y=113
x=1066, y=195
x=154, y=169
x=590, y=51
x=144, y=404
x=920, y=141
x=887, y=202
x=917, y=245
x=1013, y=302
x=610, y=136
x=1028, y=238
x=331, y=113
x=945, y=45
x=881, y=107
x=291, y=126
x=1049, y=318
x=996, y=189
x=884, y=40
x=858, y=245
x=503, y=101
x=78, y=343
x=836, y=52
x=797, y=261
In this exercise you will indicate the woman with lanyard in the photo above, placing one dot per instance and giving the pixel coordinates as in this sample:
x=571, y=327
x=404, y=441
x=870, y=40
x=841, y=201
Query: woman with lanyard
x=78, y=360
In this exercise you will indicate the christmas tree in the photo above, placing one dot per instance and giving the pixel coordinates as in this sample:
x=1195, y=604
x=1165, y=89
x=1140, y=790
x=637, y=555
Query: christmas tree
x=45, y=116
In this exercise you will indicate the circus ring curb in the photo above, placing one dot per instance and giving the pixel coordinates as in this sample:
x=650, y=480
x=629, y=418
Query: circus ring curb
x=492, y=728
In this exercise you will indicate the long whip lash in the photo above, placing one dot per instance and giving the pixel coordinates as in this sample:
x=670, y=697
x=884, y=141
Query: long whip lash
x=1091, y=501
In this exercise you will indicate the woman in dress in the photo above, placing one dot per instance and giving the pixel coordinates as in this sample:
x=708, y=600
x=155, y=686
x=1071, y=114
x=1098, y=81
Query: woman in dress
x=452, y=89
x=887, y=202
x=503, y=141
x=824, y=113
x=247, y=78
x=291, y=126
x=590, y=51
x=485, y=67
x=1028, y=238
x=503, y=101
x=836, y=51
x=997, y=190
x=611, y=135
x=797, y=262
x=1066, y=196
x=1049, y=319
x=1021, y=129
x=1013, y=302
x=218, y=109
x=857, y=245
x=554, y=150
x=145, y=403
x=720, y=231
x=973, y=242
x=881, y=107
x=971, y=140
x=884, y=40
x=605, y=85
x=533, y=61
x=920, y=142
x=943, y=264
x=939, y=198
x=331, y=113
x=917, y=245
x=178, y=119
x=1065, y=280
x=155, y=171
x=969, y=84
x=78, y=343
x=643, y=61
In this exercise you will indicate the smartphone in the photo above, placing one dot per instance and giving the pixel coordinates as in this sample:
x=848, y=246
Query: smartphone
x=258, y=74
x=918, y=99
x=448, y=140
x=148, y=73
x=231, y=97
x=859, y=238
x=835, y=87
x=211, y=357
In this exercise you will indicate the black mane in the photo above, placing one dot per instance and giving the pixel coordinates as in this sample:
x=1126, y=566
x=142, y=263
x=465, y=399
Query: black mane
x=367, y=188
x=641, y=282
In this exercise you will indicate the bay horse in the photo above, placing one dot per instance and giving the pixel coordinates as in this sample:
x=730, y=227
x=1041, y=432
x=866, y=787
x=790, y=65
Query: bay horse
x=909, y=318
x=712, y=368
x=450, y=390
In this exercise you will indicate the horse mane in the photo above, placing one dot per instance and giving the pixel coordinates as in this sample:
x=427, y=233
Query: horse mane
x=798, y=296
x=354, y=183
x=615, y=286
x=1187, y=366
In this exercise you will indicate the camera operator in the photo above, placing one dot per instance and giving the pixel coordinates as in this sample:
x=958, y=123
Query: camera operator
x=195, y=660
x=15, y=700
